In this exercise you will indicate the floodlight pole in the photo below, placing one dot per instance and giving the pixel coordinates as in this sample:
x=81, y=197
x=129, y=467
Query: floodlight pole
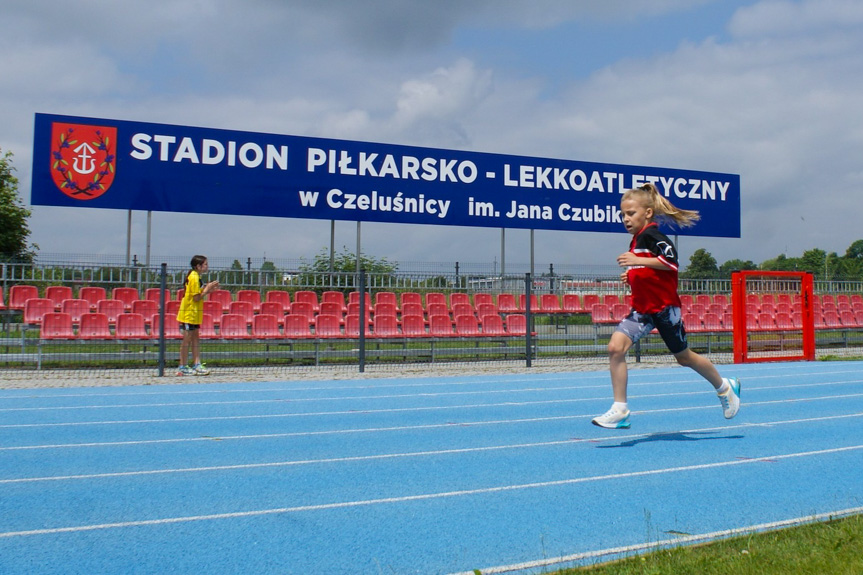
x=149, y=234
x=502, y=256
x=129, y=238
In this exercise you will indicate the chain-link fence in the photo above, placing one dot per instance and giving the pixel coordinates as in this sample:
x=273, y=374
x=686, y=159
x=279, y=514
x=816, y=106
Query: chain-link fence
x=100, y=315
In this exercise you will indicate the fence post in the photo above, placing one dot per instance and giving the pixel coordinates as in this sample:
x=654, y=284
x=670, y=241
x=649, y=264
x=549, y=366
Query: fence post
x=528, y=318
x=362, y=286
x=163, y=283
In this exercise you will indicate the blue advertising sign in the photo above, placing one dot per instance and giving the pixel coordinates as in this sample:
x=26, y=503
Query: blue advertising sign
x=101, y=163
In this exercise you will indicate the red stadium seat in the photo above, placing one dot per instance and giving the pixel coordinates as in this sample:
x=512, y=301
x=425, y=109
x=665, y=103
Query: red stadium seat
x=601, y=314
x=436, y=298
x=208, y=326
x=56, y=325
x=385, y=308
x=440, y=326
x=333, y=308
x=112, y=308
x=92, y=294
x=131, y=326
x=412, y=308
x=146, y=307
x=458, y=298
x=265, y=326
x=36, y=308
x=352, y=324
x=297, y=327
x=386, y=298
x=467, y=326
x=327, y=326
x=126, y=295
x=410, y=297
x=436, y=308
x=692, y=323
x=234, y=326
x=335, y=298
x=304, y=309
x=534, y=303
x=486, y=309
x=549, y=303
x=483, y=299
x=211, y=308
x=354, y=298
x=279, y=296
x=94, y=326
x=274, y=308
x=222, y=296
x=572, y=303
x=57, y=294
x=250, y=296
x=413, y=325
x=506, y=303
x=516, y=324
x=492, y=325
x=308, y=297
x=243, y=308
x=385, y=326
x=19, y=294
x=460, y=309
x=75, y=308
x=152, y=294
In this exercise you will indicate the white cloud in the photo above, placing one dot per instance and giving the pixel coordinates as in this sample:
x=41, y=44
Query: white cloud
x=774, y=100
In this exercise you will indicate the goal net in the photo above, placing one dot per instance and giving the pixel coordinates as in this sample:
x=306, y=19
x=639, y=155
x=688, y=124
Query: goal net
x=773, y=316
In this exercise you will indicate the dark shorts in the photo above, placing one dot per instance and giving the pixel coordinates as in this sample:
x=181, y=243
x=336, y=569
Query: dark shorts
x=668, y=322
x=189, y=326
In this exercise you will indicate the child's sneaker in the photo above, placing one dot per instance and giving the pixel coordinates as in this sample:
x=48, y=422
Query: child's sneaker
x=199, y=369
x=613, y=419
x=185, y=370
x=730, y=400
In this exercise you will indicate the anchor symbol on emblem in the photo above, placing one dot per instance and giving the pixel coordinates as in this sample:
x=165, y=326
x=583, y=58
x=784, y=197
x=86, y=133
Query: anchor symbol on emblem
x=84, y=155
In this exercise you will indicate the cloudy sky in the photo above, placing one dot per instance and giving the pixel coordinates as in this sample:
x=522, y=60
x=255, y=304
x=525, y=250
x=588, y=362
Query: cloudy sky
x=769, y=89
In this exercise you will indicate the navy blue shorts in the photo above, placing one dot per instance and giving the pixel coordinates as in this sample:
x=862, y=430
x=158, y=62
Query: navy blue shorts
x=668, y=322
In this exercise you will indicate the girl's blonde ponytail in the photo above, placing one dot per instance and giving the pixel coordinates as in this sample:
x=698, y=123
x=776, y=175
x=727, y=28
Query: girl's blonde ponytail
x=662, y=208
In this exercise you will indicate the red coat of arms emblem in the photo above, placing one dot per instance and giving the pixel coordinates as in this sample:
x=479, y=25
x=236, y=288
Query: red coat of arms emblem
x=83, y=159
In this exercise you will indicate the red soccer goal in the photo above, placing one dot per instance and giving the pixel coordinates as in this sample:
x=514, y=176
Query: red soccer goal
x=773, y=316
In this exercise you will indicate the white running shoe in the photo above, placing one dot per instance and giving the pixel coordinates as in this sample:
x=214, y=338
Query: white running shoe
x=730, y=400
x=199, y=369
x=613, y=419
x=185, y=370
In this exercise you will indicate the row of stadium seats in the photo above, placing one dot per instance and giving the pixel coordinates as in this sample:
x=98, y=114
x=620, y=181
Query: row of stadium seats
x=507, y=303
x=135, y=326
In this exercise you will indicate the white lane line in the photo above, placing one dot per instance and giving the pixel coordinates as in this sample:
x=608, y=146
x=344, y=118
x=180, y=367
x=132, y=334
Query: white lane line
x=405, y=410
x=676, y=542
x=421, y=497
x=427, y=453
x=636, y=378
x=276, y=400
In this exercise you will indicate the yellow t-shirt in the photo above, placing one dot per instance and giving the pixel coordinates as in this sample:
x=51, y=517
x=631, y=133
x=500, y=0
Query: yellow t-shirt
x=191, y=311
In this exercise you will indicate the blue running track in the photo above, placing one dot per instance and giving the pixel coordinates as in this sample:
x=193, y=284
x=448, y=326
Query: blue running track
x=427, y=475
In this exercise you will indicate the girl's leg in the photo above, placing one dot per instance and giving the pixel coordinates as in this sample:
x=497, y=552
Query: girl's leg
x=184, y=348
x=195, y=346
x=703, y=366
x=618, y=345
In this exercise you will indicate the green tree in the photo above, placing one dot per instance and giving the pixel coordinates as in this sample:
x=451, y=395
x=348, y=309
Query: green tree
x=344, y=262
x=726, y=269
x=781, y=263
x=855, y=251
x=14, y=230
x=813, y=261
x=702, y=265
